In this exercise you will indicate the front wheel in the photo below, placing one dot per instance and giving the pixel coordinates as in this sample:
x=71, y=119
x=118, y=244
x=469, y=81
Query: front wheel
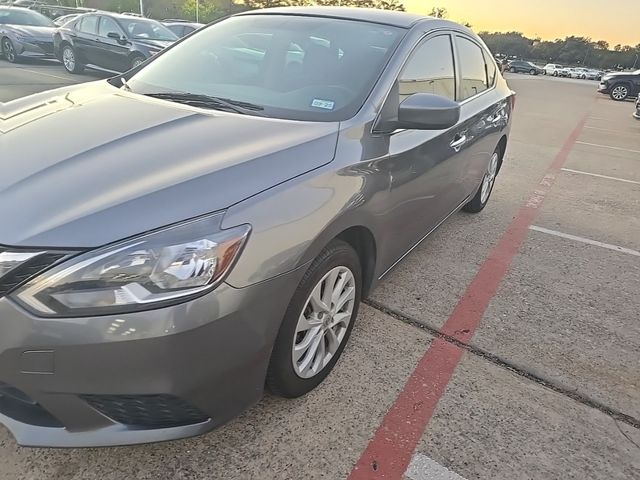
x=70, y=60
x=479, y=201
x=137, y=60
x=619, y=92
x=532, y=72
x=512, y=69
x=318, y=322
x=9, y=51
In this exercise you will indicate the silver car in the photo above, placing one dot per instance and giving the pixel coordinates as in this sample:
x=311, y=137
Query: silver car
x=179, y=236
x=24, y=32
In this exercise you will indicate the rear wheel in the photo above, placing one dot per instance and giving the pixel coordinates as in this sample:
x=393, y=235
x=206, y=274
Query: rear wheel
x=9, y=51
x=532, y=72
x=619, y=92
x=479, y=201
x=512, y=69
x=70, y=60
x=318, y=322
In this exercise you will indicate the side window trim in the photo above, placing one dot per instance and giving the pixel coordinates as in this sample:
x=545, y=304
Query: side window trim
x=458, y=75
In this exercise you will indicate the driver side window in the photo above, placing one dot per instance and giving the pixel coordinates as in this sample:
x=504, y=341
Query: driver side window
x=107, y=26
x=430, y=69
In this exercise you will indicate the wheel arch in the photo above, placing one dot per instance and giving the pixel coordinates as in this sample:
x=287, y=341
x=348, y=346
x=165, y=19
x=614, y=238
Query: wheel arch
x=502, y=145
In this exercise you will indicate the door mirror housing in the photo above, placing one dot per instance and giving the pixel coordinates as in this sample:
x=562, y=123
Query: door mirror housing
x=117, y=36
x=426, y=111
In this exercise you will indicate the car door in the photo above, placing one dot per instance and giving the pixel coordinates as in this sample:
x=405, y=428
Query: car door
x=483, y=112
x=111, y=53
x=423, y=164
x=83, y=36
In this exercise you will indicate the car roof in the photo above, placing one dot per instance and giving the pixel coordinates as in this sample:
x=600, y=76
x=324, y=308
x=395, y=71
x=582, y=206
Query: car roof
x=386, y=17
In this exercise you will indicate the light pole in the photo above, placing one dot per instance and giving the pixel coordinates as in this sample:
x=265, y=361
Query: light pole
x=142, y=8
x=635, y=62
x=197, y=11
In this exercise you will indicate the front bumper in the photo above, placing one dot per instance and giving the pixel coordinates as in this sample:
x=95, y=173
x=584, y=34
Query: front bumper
x=142, y=377
x=603, y=88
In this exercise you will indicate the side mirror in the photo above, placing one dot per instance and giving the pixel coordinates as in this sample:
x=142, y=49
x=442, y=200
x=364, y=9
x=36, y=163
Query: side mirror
x=116, y=36
x=425, y=111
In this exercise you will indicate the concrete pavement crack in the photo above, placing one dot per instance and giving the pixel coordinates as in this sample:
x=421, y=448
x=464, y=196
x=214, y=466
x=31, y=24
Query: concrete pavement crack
x=508, y=365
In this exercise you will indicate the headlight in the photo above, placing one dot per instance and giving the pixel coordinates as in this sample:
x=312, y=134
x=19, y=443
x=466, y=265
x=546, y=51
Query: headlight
x=152, y=270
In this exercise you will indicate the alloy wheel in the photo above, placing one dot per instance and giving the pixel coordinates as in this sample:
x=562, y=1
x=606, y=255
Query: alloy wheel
x=489, y=178
x=69, y=59
x=620, y=92
x=323, y=322
x=8, y=50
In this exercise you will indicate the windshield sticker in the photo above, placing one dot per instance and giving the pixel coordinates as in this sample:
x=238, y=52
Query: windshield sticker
x=325, y=104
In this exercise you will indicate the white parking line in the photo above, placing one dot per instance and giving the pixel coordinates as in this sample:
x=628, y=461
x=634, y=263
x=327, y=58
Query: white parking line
x=600, y=176
x=609, y=147
x=67, y=79
x=610, y=130
x=588, y=241
x=424, y=468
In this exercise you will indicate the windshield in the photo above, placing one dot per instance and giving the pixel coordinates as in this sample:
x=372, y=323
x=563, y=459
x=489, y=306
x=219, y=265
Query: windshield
x=145, y=29
x=301, y=68
x=24, y=17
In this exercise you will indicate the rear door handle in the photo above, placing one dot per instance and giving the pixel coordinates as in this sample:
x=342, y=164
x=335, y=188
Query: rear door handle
x=458, y=142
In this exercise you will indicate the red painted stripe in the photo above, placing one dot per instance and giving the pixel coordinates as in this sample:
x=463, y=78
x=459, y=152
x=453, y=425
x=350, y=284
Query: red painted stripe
x=389, y=451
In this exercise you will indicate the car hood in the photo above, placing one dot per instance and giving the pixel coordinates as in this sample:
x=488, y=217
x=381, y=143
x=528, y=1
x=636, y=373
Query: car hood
x=620, y=75
x=88, y=165
x=36, y=33
x=154, y=43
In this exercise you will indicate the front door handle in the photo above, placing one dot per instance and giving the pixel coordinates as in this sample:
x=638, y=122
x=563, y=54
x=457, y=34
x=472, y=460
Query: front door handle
x=458, y=142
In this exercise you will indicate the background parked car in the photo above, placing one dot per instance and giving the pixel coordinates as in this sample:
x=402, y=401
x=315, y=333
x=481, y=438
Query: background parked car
x=182, y=27
x=24, y=32
x=621, y=85
x=65, y=18
x=552, y=69
x=520, y=66
x=109, y=41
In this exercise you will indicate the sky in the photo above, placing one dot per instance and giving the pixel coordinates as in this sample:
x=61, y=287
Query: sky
x=612, y=20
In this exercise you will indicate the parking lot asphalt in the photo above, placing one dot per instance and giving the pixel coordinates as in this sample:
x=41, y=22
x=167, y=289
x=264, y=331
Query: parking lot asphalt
x=506, y=346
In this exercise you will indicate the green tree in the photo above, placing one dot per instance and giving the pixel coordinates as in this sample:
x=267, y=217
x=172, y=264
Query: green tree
x=438, y=12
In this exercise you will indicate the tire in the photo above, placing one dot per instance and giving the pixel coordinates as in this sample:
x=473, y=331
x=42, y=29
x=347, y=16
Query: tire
x=136, y=60
x=70, y=60
x=512, y=69
x=555, y=74
x=481, y=198
x=533, y=72
x=619, y=92
x=9, y=51
x=289, y=377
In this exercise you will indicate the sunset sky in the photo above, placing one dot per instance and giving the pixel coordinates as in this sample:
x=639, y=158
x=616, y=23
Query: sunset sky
x=615, y=21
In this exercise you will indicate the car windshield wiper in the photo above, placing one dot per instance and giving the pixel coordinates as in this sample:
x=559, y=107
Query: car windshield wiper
x=206, y=101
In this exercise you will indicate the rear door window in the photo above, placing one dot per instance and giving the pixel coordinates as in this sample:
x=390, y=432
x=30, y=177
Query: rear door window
x=88, y=24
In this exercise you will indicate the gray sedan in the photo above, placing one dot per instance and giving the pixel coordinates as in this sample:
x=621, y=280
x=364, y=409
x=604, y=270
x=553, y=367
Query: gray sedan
x=24, y=32
x=208, y=223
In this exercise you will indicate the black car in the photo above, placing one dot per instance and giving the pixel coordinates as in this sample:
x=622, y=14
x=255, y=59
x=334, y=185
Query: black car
x=182, y=27
x=620, y=85
x=109, y=41
x=520, y=66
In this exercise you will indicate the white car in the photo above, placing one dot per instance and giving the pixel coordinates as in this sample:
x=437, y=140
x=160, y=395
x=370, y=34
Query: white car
x=552, y=69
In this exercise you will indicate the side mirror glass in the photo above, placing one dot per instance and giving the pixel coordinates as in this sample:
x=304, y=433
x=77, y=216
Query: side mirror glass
x=425, y=111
